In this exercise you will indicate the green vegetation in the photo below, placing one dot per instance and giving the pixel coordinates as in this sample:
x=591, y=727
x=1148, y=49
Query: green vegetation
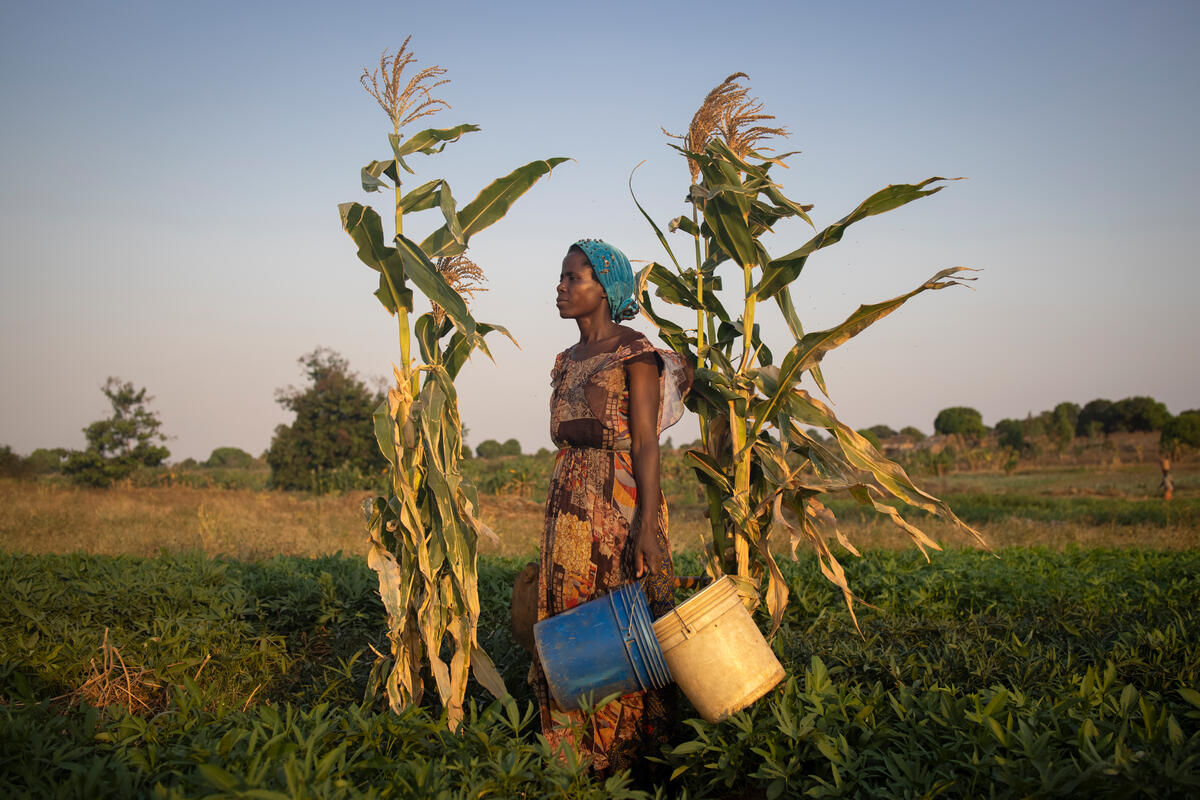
x=120, y=444
x=424, y=530
x=961, y=420
x=1037, y=673
x=328, y=446
x=1182, y=430
x=756, y=458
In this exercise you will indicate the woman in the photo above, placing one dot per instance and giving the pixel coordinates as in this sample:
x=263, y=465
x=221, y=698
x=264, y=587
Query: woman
x=606, y=520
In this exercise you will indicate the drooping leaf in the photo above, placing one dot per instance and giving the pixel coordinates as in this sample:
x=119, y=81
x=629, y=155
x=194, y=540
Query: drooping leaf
x=488, y=207
x=427, y=195
x=654, y=225
x=430, y=140
x=783, y=270
x=371, y=173
x=709, y=467
x=808, y=352
x=433, y=285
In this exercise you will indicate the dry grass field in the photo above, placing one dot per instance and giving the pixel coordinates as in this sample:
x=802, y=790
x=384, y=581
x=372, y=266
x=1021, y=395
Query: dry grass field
x=1055, y=507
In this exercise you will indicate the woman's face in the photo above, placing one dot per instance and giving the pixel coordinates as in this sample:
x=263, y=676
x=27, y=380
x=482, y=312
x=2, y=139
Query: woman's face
x=579, y=293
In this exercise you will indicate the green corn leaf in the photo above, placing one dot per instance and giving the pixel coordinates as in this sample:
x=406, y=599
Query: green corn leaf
x=785, y=269
x=783, y=299
x=383, y=422
x=450, y=215
x=366, y=229
x=371, y=173
x=427, y=339
x=808, y=352
x=430, y=140
x=724, y=214
x=490, y=206
x=427, y=278
x=460, y=347
x=425, y=196
x=654, y=225
x=708, y=466
x=685, y=224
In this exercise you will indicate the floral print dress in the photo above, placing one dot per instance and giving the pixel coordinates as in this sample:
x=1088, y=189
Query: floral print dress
x=586, y=548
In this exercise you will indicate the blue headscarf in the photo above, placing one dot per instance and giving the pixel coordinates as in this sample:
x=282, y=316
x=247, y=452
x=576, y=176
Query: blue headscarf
x=615, y=274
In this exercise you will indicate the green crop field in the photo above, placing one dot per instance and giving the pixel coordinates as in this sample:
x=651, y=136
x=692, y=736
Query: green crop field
x=183, y=642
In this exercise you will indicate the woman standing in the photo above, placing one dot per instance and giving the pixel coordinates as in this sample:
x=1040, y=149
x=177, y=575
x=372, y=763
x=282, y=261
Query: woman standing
x=606, y=520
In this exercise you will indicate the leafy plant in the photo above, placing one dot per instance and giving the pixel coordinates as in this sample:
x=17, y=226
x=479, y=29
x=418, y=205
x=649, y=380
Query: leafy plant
x=757, y=460
x=423, y=534
x=120, y=444
x=329, y=445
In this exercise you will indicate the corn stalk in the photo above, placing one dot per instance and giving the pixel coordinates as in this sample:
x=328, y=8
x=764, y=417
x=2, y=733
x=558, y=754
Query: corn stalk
x=756, y=462
x=424, y=533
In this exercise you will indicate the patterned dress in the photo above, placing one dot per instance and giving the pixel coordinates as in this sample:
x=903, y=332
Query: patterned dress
x=586, y=548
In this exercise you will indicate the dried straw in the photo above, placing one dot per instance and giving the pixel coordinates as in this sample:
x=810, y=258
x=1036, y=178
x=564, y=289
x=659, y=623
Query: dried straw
x=113, y=683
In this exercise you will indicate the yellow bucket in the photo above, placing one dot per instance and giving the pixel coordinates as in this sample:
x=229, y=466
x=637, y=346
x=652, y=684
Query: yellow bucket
x=716, y=653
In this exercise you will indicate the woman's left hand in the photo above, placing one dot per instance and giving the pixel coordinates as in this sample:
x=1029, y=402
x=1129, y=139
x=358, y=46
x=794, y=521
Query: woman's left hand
x=648, y=554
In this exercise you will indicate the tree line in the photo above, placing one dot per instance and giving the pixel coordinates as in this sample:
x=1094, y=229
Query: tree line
x=330, y=443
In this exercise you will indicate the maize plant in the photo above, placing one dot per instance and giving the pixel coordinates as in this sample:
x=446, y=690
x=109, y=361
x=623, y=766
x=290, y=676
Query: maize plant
x=423, y=534
x=757, y=465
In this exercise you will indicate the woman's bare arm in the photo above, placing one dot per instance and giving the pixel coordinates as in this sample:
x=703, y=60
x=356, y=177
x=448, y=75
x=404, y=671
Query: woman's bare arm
x=642, y=375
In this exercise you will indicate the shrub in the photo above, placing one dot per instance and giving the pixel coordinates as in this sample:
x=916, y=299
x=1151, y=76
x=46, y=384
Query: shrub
x=331, y=443
x=230, y=457
x=122, y=443
x=1184, y=429
x=916, y=434
x=1011, y=434
x=962, y=420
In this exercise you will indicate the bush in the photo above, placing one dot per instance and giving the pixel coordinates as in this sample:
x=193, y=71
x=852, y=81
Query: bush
x=12, y=465
x=489, y=448
x=963, y=420
x=1184, y=429
x=1011, y=434
x=230, y=458
x=330, y=445
x=916, y=434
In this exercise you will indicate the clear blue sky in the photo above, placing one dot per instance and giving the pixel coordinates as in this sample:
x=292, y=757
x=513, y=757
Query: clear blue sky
x=172, y=171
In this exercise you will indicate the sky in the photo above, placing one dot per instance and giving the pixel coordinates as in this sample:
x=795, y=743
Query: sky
x=168, y=211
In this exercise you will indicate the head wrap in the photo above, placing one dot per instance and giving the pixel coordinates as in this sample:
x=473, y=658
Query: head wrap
x=615, y=274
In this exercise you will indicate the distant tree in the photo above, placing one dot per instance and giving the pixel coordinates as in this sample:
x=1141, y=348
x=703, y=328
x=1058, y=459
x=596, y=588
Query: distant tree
x=1095, y=417
x=1140, y=414
x=489, y=448
x=1011, y=434
x=511, y=447
x=668, y=444
x=962, y=420
x=48, y=461
x=916, y=434
x=1062, y=422
x=230, y=458
x=882, y=431
x=129, y=439
x=13, y=465
x=1183, y=429
x=816, y=434
x=542, y=451
x=332, y=432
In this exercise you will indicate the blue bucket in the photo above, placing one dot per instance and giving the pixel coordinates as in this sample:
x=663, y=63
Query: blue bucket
x=602, y=647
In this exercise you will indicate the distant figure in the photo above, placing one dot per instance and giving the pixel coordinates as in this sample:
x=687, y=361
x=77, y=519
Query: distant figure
x=1167, y=487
